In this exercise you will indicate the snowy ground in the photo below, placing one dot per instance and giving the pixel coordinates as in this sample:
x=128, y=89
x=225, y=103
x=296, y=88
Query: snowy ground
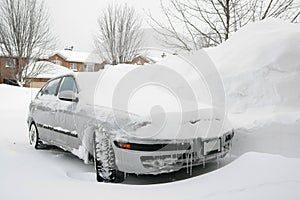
x=265, y=159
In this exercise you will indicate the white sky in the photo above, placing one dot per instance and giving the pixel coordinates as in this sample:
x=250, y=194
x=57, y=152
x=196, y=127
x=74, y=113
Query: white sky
x=75, y=22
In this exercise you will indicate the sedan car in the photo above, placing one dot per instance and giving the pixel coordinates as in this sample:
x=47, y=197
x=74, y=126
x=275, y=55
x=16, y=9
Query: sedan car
x=67, y=114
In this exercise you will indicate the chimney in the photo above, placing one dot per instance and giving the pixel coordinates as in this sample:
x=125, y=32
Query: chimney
x=69, y=48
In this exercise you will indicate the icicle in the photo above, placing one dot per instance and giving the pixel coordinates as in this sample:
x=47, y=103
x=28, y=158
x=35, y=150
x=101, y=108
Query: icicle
x=191, y=166
x=203, y=162
x=187, y=163
x=230, y=147
x=218, y=161
x=191, y=159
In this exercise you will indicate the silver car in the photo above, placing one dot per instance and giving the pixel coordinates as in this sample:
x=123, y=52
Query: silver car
x=66, y=114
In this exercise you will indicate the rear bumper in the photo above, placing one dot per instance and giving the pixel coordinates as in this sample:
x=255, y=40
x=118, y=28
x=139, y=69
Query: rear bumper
x=169, y=159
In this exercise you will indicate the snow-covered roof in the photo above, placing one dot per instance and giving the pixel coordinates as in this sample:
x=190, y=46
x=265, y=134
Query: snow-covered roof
x=48, y=70
x=76, y=56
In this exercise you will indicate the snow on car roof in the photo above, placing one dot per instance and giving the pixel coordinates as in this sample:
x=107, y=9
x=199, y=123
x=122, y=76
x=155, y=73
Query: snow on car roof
x=141, y=87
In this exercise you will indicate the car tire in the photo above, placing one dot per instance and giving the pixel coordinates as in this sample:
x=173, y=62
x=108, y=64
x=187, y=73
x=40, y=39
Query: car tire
x=104, y=160
x=34, y=139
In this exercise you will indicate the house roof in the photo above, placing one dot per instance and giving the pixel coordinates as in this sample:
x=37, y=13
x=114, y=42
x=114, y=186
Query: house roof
x=47, y=70
x=76, y=56
x=149, y=57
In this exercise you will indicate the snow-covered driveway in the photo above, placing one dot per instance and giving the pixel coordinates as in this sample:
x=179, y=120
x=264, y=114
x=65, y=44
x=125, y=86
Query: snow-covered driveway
x=53, y=174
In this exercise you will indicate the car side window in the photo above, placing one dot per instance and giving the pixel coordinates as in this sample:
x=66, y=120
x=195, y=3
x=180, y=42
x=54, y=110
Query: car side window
x=51, y=88
x=68, y=84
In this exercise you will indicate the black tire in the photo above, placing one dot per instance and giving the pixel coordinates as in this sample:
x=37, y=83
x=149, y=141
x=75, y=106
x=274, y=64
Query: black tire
x=104, y=160
x=34, y=139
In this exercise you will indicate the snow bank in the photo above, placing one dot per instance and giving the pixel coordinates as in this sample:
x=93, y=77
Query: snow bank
x=260, y=67
x=14, y=98
x=14, y=105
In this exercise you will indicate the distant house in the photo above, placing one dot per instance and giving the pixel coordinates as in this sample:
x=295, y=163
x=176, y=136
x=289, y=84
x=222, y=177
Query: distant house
x=8, y=68
x=143, y=59
x=47, y=70
x=7, y=65
x=77, y=61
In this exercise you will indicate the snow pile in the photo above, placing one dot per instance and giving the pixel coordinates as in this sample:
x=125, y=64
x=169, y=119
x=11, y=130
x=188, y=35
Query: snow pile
x=260, y=67
x=14, y=105
x=15, y=99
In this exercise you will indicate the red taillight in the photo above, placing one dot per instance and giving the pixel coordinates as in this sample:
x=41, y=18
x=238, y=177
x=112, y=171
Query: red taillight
x=124, y=145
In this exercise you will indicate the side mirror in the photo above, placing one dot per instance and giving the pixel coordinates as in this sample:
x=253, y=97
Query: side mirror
x=68, y=95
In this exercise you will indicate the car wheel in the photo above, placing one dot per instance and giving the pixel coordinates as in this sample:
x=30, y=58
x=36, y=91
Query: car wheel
x=34, y=139
x=104, y=160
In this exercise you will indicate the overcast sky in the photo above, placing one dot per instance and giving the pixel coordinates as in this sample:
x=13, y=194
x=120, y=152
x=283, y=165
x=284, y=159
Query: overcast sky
x=75, y=22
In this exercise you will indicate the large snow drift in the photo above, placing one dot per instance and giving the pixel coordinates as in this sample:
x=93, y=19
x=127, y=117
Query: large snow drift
x=260, y=66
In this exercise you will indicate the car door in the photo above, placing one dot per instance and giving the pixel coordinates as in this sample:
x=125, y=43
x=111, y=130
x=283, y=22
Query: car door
x=66, y=114
x=44, y=110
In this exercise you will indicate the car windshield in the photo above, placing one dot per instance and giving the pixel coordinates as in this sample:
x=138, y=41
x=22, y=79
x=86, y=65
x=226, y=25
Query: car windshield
x=50, y=88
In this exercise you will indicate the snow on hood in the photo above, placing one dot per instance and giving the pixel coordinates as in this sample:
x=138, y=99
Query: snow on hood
x=202, y=123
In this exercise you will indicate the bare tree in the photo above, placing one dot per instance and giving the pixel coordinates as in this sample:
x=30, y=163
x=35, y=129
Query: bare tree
x=205, y=22
x=276, y=8
x=119, y=34
x=25, y=35
x=210, y=22
x=296, y=17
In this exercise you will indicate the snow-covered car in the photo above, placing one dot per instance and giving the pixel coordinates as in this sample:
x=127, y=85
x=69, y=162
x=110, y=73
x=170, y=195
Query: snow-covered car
x=67, y=114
